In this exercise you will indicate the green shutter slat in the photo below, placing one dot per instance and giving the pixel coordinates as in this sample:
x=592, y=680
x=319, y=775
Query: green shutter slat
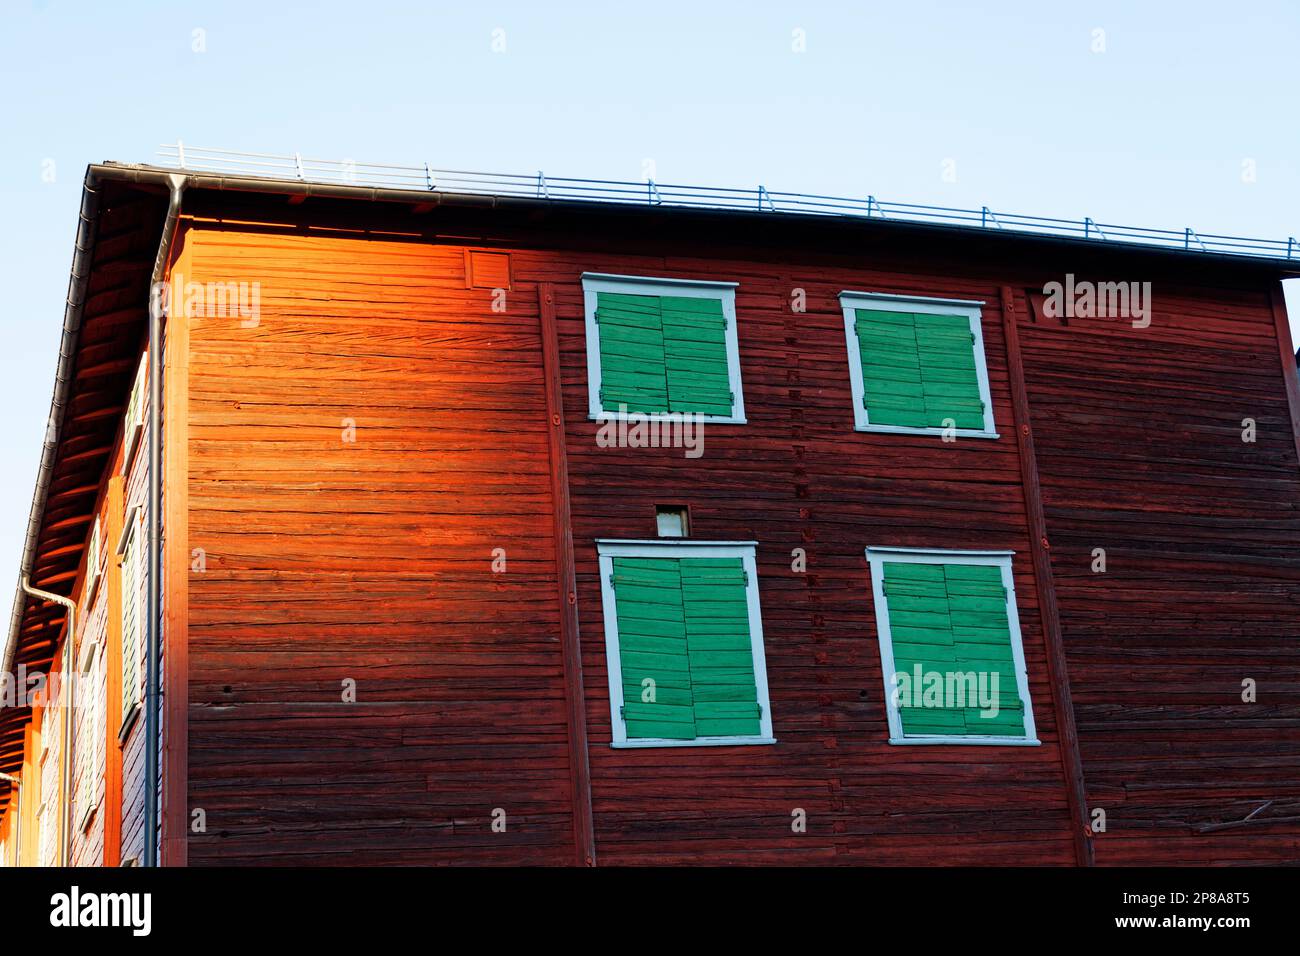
x=641, y=726
x=931, y=656
x=647, y=569
x=669, y=694
x=930, y=721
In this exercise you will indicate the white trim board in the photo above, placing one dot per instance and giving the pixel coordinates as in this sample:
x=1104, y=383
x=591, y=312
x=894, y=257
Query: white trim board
x=614, y=282
x=940, y=552
x=608, y=550
x=635, y=547
x=888, y=302
x=911, y=300
x=596, y=282
x=876, y=558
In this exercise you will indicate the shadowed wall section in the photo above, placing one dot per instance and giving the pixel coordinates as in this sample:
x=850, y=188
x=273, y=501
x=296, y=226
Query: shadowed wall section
x=1141, y=454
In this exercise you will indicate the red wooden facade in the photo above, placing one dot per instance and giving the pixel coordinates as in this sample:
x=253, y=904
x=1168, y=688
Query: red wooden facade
x=383, y=620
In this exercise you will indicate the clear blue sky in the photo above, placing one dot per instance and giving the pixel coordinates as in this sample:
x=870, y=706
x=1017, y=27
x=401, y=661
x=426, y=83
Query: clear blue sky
x=1153, y=131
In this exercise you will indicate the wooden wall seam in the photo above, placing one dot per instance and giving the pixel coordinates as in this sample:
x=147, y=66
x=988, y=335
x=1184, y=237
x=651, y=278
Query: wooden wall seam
x=1039, y=545
x=575, y=696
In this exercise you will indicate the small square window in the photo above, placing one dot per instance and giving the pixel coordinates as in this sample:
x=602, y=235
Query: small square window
x=673, y=521
x=1040, y=312
x=487, y=270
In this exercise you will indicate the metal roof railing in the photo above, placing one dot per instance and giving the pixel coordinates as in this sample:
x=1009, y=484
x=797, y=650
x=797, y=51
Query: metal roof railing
x=540, y=186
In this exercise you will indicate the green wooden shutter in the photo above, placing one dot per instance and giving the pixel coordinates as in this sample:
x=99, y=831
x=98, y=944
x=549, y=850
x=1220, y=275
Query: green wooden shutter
x=652, y=646
x=946, y=352
x=919, y=622
x=695, y=346
x=720, y=646
x=952, y=618
x=663, y=353
x=891, y=368
x=683, y=623
x=977, y=606
x=918, y=369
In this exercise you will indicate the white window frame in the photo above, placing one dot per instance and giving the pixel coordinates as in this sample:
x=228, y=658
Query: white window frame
x=94, y=560
x=41, y=825
x=608, y=550
x=135, y=406
x=877, y=557
x=597, y=282
x=886, y=302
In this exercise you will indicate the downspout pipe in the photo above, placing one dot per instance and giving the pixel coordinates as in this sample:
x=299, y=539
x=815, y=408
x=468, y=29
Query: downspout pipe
x=66, y=684
x=158, y=301
x=16, y=785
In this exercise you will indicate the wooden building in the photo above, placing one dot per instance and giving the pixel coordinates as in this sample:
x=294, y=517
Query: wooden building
x=389, y=585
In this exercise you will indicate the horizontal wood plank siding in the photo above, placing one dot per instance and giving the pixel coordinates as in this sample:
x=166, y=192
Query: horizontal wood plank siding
x=1141, y=453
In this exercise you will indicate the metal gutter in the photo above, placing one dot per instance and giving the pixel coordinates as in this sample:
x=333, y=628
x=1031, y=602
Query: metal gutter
x=646, y=192
x=153, y=601
x=74, y=302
